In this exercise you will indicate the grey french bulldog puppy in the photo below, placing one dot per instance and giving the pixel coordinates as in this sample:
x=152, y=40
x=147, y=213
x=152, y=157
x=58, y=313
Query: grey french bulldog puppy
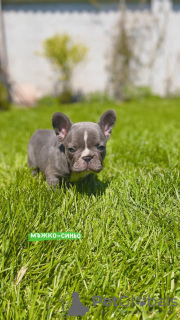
x=73, y=151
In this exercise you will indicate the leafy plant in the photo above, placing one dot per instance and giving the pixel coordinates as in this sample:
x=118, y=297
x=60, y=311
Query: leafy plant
x=64, y=55
x=137, y=93
x=4, y=103
x=122, y=55
x=130, y=56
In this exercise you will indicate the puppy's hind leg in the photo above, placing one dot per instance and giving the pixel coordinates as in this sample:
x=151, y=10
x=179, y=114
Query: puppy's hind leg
x=32, y=161
x=35, y=171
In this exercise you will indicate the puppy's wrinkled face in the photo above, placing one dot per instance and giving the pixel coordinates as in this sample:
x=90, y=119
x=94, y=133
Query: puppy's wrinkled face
x=85, y=147
x=84, y=142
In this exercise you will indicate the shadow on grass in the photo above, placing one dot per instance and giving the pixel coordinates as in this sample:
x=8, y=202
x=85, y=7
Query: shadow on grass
x=90, y=185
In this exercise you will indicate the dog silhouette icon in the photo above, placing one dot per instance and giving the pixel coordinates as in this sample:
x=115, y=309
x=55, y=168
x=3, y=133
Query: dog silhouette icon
x=77, y=308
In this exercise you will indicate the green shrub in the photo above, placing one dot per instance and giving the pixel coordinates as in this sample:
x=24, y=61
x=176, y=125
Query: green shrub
x=4, y=103
x=98, y=97
x=64, y=55
x=47, y=101
x=136, y=93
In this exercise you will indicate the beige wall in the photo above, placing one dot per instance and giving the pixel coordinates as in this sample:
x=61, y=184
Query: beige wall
x=27, y=25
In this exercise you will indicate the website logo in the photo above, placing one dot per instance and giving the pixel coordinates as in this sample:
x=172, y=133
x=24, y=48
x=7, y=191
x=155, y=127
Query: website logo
x=78, y=309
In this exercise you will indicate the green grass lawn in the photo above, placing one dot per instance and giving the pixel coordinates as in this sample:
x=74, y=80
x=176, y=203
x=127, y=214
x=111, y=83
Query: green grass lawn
x=130, y=224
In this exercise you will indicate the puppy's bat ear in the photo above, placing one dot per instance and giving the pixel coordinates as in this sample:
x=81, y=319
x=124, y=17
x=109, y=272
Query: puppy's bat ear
x=107, y=122
x=61, y=124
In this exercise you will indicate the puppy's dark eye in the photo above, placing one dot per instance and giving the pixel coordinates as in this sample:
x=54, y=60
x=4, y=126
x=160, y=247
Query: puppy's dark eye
x=71, y=150
x=101, y=148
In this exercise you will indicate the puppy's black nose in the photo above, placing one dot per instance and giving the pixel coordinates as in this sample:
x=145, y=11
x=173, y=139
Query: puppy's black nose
x=87, y=159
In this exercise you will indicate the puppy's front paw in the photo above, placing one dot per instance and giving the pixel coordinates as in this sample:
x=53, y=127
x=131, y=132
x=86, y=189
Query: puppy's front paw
x=53, y=182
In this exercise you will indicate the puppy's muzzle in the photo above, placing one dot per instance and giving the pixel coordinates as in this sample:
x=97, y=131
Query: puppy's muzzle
x=87, y=159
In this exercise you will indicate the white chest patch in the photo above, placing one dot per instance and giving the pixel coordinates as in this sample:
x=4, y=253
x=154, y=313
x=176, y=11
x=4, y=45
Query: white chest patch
x=76, y=176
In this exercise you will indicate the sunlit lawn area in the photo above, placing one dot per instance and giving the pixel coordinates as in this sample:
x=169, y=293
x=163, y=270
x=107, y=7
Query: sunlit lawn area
x=130, y=224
